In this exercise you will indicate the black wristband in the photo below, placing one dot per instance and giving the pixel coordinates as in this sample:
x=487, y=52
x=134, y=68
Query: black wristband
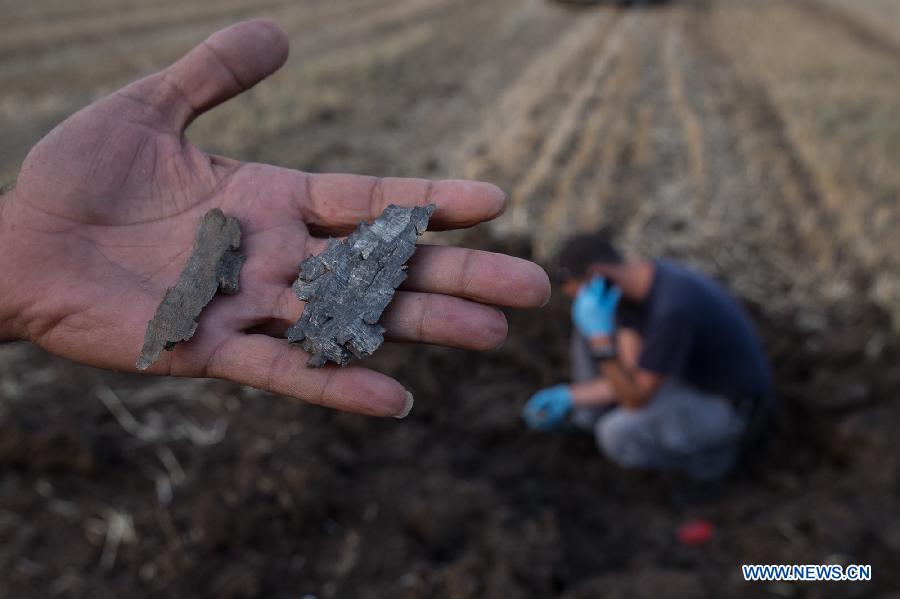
x=605, y=353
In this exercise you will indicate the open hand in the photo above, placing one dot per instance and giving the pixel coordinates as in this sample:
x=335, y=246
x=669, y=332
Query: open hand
x=105, y=211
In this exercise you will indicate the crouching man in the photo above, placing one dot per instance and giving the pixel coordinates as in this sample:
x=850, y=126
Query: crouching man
x=668, y=371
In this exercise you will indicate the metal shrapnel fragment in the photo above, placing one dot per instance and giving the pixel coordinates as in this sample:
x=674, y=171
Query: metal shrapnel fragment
x=214, y=265
x=347, y=287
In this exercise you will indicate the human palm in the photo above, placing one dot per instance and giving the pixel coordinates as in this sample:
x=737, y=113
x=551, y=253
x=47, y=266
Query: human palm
x=106, y=208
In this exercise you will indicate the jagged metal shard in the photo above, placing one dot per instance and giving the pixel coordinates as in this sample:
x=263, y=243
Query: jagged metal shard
x=347, y=287
x=214, y=265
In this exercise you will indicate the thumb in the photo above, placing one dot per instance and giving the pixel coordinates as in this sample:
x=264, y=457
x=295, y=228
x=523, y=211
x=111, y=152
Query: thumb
x=227, y=63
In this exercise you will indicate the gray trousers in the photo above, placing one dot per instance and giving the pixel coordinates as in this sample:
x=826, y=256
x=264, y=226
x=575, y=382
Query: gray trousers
x=681, y=428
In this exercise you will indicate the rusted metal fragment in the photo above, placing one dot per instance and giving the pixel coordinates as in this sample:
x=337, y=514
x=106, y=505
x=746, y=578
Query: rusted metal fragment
x=347, y=287
x=214, y=265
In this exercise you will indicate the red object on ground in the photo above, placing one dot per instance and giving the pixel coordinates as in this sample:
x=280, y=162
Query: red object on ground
x=695, y=532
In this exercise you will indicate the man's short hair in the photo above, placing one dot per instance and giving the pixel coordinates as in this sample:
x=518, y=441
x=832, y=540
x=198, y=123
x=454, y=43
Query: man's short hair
x=581, y=251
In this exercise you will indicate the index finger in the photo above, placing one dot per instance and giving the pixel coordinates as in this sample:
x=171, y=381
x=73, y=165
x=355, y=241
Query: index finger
x=477, y=275
x=336, y=203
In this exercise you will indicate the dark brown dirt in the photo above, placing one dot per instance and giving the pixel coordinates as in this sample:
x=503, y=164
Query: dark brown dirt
x=458, y=501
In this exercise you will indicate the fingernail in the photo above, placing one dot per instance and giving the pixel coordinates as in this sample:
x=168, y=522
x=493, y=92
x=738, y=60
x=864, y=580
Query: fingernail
x=408, y=407
x=549, y=287
x=547, y=301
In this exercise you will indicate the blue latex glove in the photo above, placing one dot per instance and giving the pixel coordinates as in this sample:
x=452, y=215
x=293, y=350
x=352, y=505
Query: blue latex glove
x=548, y=407
x=594, y=308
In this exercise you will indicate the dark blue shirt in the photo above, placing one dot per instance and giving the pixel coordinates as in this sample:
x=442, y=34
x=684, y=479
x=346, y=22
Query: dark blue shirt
x=694, y=331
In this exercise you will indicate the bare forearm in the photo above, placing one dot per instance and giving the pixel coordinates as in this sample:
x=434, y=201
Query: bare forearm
x=624, y=387
x=10, y=328
x=592, y=393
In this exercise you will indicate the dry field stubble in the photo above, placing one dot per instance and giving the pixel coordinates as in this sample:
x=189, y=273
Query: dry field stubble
x=756, y=140
x=840, y=105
